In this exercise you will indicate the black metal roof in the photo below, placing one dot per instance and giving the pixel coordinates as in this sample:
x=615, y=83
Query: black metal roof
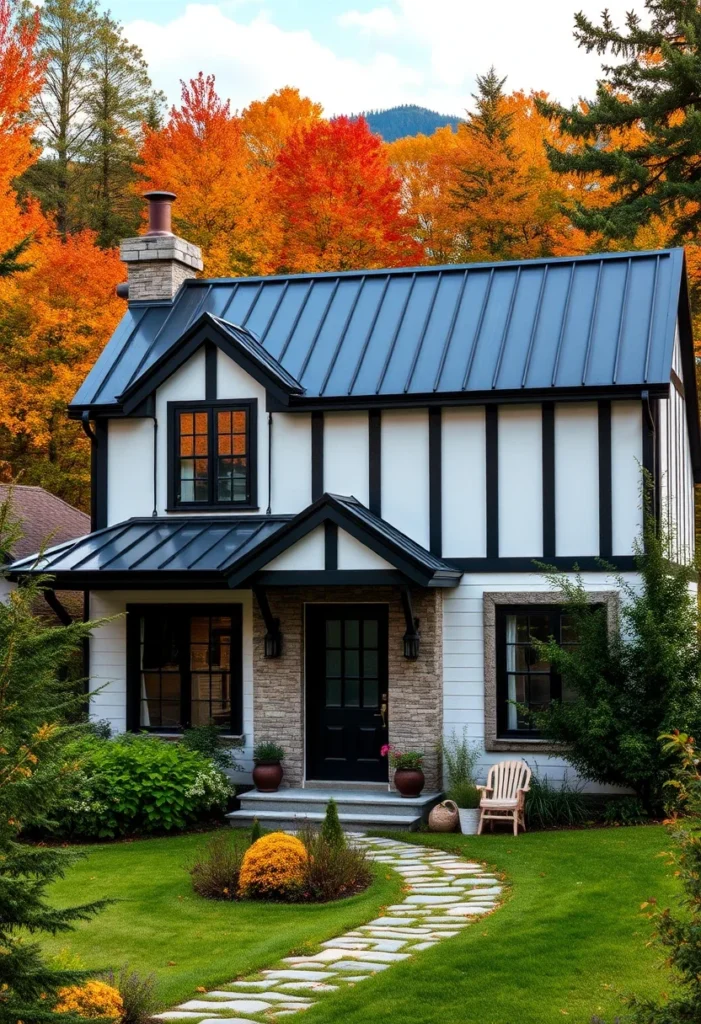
x=587, y=322
x=221, y=551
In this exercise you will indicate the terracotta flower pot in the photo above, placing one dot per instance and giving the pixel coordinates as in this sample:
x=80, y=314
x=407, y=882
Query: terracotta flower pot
x=267, y=776
x=409, y=781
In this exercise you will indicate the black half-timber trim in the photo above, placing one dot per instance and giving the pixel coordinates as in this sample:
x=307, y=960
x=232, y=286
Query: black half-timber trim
x=375, y=461
x=210, y=371
x=272, y=642
x=651, y=463
x=332, y=578
x=678, y=383
x=688, y=360
x=330, y=545
x=100, y=474
x=548, y=432
x=492, y=462
x=412, y=637
x=317, y=455
x=605, y=481
x=434, y=480
x=567, y=563
x=61, y=613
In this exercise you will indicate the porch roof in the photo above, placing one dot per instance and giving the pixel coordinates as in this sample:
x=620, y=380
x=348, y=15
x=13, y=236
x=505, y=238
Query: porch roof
x=227, y=551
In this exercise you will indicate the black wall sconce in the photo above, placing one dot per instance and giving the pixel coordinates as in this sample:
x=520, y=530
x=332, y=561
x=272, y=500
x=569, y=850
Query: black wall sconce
x=412, y=637
x=272, y=642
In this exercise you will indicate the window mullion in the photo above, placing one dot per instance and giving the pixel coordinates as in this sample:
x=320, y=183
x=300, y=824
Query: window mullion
x=212, y=421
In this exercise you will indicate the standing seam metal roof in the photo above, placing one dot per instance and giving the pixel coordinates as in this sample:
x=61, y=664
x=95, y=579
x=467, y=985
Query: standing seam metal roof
x=601, y=320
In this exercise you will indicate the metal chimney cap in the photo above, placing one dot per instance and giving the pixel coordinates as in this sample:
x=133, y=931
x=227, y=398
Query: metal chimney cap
x=159, y=204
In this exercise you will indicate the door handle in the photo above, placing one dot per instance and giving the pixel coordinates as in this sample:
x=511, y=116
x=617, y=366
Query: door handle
x=382, y=713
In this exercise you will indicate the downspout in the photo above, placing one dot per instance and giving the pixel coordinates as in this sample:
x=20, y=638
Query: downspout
x=155, y=466
x=85, y=421
x=270, y=464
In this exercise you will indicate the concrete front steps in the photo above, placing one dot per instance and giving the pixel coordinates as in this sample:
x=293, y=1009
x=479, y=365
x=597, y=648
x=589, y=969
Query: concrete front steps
x=359, y=808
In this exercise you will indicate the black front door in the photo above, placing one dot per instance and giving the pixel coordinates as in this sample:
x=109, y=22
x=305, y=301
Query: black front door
x=346, y=659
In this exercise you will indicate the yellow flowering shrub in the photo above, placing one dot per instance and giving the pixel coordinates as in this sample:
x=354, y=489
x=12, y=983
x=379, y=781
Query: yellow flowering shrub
x=93, y=999
x=273, y=867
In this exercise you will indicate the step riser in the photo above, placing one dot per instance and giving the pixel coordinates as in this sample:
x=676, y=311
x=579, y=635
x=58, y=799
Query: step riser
x=302, y=806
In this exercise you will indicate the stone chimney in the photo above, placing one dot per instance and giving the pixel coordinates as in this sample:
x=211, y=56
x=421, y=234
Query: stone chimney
x=157, y=262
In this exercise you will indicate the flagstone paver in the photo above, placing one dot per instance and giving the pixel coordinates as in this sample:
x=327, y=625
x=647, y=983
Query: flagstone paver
x=444, y=895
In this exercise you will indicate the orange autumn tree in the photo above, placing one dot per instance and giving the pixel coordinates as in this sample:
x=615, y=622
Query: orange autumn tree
x=54, y=321
x=339, y=202
x=268, y=124
x=201, y=155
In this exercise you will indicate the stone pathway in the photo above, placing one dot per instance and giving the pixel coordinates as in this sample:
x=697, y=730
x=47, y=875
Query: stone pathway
x=445, y=894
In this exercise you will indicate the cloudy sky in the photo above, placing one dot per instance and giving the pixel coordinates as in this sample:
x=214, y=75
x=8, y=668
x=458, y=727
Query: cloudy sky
x=358, y=54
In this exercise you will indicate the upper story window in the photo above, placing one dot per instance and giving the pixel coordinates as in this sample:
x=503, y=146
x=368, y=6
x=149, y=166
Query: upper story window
x=524, y=679
x=212, y=455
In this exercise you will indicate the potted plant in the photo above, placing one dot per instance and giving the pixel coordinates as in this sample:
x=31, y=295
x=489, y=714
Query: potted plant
x=408, y=769
x=267, y=770
x=467, y=797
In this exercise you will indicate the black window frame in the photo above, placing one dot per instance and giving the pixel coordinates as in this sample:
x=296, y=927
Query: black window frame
x=182, y=614
x=211, y=408
x=554, y=613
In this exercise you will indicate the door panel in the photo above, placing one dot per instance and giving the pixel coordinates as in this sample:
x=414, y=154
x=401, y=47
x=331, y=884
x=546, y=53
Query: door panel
x=346, y=691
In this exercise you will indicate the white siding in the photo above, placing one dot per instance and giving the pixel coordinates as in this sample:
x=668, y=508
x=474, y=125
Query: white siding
x=463, y=660
x=292, y=462
x=520, y=481
x=576, y=478
x=464, y=483
x=346, y=454
x=108, y=653
x=129, y=469
x=185, y=385
x=307, y=553
x=354, y=555
x=626, y=463
x=405, y=494
x=233, y=382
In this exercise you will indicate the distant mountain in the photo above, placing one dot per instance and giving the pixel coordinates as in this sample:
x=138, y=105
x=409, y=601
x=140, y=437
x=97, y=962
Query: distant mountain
x=408, y=119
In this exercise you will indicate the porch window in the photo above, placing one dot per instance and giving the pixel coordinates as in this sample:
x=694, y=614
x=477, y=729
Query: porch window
x=524, y=679
x=212, y=461
x=184, y=667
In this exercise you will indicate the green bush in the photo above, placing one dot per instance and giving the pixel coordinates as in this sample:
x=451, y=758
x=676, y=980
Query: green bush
x=550, y=807
x=139, y=784
x=625, y=810
x=207, y=740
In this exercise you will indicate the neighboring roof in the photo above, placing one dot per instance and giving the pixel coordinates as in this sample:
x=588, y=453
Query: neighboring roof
x=377, y=534
x=44, y=518
x=224, y=550
x=602, y=321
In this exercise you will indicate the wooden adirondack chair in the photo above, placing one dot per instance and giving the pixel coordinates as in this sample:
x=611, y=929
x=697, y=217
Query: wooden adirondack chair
x=504, y=796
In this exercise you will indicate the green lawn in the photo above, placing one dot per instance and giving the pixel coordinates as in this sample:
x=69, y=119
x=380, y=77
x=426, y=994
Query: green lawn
x=160, y=925
x=569, y=937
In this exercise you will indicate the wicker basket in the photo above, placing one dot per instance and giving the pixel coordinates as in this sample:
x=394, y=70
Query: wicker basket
x=443, y=817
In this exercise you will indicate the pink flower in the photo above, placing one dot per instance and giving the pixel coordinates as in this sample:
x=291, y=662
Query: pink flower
x=384, y=750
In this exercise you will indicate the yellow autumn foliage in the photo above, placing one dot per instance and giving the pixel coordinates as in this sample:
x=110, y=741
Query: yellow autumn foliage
x=93, y=999
x=273, y=867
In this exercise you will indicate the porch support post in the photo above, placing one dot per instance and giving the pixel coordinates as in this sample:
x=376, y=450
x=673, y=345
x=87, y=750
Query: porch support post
x=273, y=636
x=412, y=637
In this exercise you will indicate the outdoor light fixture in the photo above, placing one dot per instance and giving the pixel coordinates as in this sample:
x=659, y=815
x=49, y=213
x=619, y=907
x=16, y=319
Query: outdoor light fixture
x=412, y=642
x=273, y=641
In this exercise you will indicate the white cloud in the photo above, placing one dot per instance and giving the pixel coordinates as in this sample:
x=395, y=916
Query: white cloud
x=380, y=21
x=408, y=51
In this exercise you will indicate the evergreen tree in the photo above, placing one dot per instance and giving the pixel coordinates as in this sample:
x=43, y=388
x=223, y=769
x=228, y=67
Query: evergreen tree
x=33, y=703
x=633, y=680
x=120, y=100
x=11, y=261
x=256, y=831
x=331, y=830
x=642, y=132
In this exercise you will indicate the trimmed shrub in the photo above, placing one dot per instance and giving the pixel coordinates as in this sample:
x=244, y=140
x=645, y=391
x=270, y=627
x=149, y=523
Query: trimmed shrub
x=548, y=807
x=139, y=784
x=332, y=872
x=273, y=868
x=93, y=999
x=215, y=872
x=138, y=994
x=331, y=829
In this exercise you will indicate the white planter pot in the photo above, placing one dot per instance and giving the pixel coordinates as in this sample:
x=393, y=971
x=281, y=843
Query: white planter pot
x=469, y=820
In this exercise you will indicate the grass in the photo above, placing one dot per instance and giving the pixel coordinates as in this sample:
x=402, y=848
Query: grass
x=160, y=925
x=568, y=940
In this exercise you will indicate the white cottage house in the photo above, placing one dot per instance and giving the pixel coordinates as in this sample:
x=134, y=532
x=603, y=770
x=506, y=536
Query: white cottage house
x=319, y=498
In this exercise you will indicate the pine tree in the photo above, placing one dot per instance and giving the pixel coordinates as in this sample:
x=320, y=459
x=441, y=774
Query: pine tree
x=331, y=829
x=256, y=831
x=11, y=260
x=642, y=132
x=120, y=100
x=33, y=703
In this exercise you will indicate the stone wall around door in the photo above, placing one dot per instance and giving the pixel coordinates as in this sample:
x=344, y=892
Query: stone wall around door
x=415, y=687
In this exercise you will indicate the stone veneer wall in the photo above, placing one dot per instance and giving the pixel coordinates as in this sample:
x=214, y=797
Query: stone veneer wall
x=158, y=265
x=415, y=687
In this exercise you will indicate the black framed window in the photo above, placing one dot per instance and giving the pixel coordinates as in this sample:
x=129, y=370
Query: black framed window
x=523, y=677
x=184, y=667
x=212, y=461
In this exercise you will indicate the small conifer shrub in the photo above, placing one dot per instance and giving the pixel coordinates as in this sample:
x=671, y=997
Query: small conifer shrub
x=331, y=830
